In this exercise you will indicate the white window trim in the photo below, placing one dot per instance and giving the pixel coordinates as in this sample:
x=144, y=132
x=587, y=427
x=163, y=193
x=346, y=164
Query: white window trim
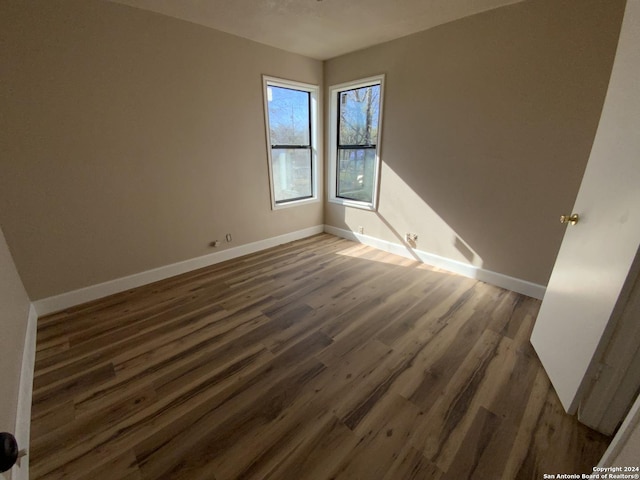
x=314, y=92
x=333, y=142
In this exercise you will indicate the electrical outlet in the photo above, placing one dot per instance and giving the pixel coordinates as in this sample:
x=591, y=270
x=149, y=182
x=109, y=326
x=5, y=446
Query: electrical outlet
x=228, y=237
x=411, y=237
x=361, y=229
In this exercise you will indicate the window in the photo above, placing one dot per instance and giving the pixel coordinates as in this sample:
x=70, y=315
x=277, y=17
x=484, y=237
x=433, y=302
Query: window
x=356, y=119
x=291, y=110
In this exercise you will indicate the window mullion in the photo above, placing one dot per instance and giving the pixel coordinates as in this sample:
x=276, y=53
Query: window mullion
x=357, y=147
x=292, y=147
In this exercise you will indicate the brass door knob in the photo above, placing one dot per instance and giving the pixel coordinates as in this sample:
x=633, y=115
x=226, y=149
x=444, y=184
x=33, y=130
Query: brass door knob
x=569, y=219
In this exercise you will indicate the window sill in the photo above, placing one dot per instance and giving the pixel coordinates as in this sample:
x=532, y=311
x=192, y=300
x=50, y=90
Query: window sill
x=353, y=203
x=294, y=203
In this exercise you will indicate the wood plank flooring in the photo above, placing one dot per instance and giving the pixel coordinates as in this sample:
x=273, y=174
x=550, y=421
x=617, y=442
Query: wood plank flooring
x=318, y=359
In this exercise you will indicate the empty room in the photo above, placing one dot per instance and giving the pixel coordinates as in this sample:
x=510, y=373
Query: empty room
x=319, y=239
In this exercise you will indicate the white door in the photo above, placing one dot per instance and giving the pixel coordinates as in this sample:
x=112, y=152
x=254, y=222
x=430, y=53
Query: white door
x=598, y=251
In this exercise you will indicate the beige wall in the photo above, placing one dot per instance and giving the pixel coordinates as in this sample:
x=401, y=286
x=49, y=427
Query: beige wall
x=13, y=324
x=487, y=128
x=130, y=141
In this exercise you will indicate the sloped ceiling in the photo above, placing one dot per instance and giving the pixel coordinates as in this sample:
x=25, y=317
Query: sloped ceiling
x=319, y=29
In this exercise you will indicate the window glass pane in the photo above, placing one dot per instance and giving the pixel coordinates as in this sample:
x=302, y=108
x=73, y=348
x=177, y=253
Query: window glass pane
x=356, y=174
x=288, y=116
x=291, y=173
x=358, y=117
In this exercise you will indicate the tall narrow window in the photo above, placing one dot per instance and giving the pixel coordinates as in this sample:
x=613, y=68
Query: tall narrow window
x=356, y=110
x=291, y=122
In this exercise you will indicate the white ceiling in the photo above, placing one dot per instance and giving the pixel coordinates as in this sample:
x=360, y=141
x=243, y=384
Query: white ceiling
x=319, y=29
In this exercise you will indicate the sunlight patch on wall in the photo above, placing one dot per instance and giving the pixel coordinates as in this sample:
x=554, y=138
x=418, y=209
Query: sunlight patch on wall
x=407, y=213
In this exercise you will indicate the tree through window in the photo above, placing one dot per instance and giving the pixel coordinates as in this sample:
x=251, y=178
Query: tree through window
x=355, y=133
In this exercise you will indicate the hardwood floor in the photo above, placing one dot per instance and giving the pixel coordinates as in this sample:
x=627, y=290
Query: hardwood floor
x=319, y=359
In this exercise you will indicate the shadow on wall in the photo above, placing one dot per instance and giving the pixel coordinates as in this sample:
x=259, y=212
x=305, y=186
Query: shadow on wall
x=488, y=126
x=408, y=244
x=396, y=213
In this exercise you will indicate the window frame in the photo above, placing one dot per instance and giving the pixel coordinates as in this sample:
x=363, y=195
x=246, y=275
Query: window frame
x=332, y=187
x=314, y=93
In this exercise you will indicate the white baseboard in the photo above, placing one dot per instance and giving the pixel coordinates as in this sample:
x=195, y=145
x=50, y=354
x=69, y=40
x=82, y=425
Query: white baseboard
x=56, y=303
x=505, y=281
x=20, y=470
